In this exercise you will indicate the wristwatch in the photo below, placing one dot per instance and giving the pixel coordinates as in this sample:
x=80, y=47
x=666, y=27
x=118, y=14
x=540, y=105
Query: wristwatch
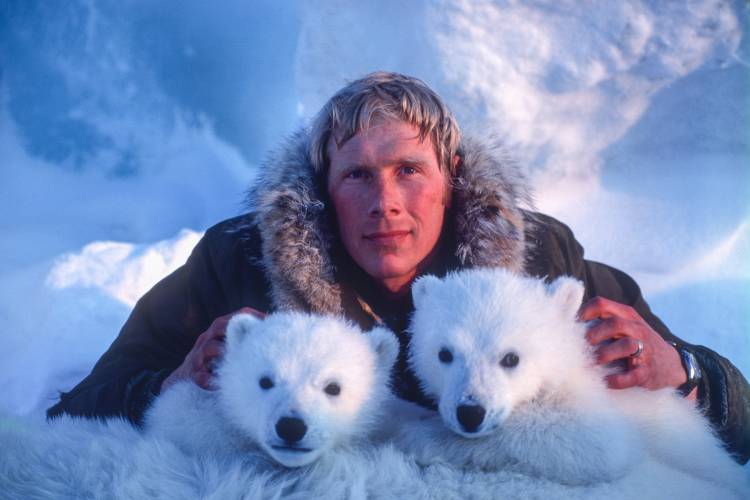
x=692, y=369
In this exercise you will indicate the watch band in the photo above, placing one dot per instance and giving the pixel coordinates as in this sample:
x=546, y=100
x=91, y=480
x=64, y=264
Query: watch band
x=691, y=367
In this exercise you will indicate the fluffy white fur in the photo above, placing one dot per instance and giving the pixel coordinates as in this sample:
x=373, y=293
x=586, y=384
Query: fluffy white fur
x=551, y=443
x=68, y=458
x=550, y=416
x=300, y=355
x=224, y=444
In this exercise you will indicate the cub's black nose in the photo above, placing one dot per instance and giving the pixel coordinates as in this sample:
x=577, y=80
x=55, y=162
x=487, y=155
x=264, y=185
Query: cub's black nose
x=290, y=429
x=470, y=417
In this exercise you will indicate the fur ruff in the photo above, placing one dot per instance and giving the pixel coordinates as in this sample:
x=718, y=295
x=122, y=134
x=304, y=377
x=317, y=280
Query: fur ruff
x=289, y=202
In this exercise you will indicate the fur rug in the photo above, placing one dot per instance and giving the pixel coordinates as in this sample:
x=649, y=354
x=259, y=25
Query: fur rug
x=74, y=458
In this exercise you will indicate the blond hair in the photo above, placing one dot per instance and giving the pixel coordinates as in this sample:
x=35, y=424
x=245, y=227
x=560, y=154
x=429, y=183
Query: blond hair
x=383, y=95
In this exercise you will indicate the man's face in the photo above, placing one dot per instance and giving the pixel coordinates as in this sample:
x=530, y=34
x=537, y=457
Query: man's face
x=390, y=198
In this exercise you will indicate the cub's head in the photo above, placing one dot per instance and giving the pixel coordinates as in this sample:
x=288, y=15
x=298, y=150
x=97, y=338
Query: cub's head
x=485, y=341
x=297, y=384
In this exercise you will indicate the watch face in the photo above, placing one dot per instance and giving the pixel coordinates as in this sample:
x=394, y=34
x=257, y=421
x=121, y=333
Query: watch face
x=692, y=368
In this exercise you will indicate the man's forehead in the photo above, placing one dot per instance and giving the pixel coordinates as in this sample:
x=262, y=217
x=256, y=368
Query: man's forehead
x=393, y=128
x=385, y=139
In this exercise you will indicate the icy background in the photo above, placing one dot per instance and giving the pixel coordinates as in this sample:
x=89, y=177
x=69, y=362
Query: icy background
x=127, y=128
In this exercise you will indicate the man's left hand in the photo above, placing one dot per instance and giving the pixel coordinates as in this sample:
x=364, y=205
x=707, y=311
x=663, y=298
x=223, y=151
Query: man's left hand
x=616, y=337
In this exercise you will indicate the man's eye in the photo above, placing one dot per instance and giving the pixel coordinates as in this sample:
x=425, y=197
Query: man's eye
x=356, y=174
x=406, y=169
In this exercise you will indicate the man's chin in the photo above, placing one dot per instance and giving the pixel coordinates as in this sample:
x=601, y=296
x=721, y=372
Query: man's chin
x=392, y=273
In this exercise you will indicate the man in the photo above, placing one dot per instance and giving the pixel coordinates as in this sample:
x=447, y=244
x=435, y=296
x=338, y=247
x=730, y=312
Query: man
x=344, y=217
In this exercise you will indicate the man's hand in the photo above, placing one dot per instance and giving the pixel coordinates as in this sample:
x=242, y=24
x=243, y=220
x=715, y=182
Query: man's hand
x=208, y=349
x=616, y=337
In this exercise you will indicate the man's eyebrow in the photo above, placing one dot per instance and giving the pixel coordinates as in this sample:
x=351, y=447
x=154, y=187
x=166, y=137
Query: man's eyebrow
x=408, y=160
x=411, y=161
x=402, y=160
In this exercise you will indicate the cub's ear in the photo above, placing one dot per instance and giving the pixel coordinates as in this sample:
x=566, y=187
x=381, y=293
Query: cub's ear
x=385, y=344
x=568, y=293
x=238, y=328
x=422, y=286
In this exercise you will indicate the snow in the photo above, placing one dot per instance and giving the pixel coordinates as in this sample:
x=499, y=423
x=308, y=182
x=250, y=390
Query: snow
x=128, y=129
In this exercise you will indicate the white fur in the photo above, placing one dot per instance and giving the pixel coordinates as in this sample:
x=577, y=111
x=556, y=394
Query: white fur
x=220, y=444
x=301, y=354
x=201, y=444
x=550, y=416
x=67, y=458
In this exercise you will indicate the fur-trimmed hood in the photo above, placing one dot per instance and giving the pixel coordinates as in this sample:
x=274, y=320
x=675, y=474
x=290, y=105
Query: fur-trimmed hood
x=298, y=232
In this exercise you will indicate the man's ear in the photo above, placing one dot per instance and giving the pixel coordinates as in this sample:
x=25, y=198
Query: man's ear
x=421, y=287
x=385, y=344
x=568, y=292
x=238, y=328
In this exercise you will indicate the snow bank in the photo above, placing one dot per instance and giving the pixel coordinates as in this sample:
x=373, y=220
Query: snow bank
x=66, y=313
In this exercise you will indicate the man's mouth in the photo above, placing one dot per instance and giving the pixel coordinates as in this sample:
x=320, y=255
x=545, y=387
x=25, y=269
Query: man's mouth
x=386, y=236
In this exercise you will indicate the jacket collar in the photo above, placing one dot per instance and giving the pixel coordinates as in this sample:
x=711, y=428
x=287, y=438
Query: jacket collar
x=298, y=230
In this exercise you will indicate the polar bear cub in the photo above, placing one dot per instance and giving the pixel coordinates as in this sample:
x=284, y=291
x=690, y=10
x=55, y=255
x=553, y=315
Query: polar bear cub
x=507, y=361
x=292, y=385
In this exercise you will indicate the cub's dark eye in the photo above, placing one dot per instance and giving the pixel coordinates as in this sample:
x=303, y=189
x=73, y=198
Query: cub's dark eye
x=265, y=383
x=445, y=356
x=333, y=389
x=509, y=360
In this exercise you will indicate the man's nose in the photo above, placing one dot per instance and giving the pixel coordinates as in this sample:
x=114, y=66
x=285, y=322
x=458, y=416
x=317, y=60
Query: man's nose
x=385, y=198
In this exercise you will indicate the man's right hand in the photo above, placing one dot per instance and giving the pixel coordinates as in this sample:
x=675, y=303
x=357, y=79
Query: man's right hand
x=208, y=349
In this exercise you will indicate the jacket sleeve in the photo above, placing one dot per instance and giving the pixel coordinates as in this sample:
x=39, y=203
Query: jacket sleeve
x=160, y=331
x=723, y=394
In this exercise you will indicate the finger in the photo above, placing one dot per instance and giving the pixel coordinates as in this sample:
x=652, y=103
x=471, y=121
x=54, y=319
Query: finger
x=610, y=328
x=204, y=380
x=212, y=351
x=619, y=349
x=249, y=310
x=599, y=307
x=195, y=363
x=631, y=378
x=202, y=338
x=215, y=329
x=210, y=366
x=218, y=329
